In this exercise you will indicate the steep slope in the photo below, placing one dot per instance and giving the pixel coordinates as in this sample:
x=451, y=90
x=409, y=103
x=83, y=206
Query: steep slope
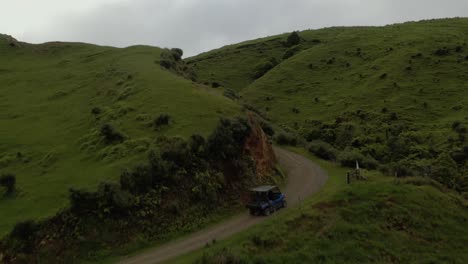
x=417, y=69
x=391, y=97
x=55, y=98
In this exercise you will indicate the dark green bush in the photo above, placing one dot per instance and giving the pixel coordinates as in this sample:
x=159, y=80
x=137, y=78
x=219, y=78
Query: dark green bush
x=228, y=138
x=445, y=170
x=293, y=39
x=231, y=94
x=291, y=52
x=162, y=120
x=112, y=199
x=286, y=139
x=9, y=182
x=82, y=200
x=215, y=84
x=323, y=150
x=197, y=144
x=263, y=67
x=177, y=53
x=110, y=134
x=442, y=51
x=23, y=234
x=348, y=158
x=96, y=110
x=267, y=128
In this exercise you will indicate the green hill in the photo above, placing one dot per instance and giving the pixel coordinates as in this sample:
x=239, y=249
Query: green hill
x=54, y=99
x=392, y=97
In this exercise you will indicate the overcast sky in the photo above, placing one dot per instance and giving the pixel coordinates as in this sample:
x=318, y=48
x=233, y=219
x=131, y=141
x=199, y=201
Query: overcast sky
x=201, y=25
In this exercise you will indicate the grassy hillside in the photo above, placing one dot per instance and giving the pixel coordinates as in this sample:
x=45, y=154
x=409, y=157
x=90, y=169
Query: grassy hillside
x=377, y=221
x=392, y=97
x=54, y=99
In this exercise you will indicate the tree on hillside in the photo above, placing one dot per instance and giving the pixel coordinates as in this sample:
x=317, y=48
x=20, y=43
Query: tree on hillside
x=9, y=182
x=293, y=39
x=445, y=170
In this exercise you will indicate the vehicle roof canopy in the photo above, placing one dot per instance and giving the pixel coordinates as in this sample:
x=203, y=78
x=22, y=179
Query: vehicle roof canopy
x=264, y=188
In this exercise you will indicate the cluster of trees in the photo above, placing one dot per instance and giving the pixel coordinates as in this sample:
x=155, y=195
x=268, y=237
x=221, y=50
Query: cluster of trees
x=388, y=143
x=194, y=166
x=178, y=175
x=171, y=59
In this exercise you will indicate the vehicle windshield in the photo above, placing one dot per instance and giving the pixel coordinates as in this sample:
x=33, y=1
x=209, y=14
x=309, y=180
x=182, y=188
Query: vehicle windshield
x=259, y=196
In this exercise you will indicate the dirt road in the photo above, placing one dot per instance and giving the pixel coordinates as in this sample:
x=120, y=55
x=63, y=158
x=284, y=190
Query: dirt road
x=304, y=179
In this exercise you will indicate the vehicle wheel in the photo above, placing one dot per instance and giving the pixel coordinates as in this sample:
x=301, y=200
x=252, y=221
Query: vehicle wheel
x=285, y=204
x=267, y=212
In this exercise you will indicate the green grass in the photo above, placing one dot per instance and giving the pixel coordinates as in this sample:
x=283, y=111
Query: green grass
x=378, y=221
x=338, y=87
x=47, y=92
x=388, y=93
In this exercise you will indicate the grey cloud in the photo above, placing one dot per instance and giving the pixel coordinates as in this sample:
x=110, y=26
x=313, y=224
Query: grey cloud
x=201, y=25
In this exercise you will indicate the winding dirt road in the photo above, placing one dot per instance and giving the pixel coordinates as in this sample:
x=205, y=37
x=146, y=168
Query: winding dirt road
x=304, y=179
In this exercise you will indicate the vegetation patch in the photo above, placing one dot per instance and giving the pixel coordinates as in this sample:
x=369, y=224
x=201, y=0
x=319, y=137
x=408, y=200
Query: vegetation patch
x=181, y=185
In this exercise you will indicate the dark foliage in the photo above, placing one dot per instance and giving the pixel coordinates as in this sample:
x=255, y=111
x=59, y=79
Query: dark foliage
x=162, y=120
x=293, y=39
x=110, y=134
x=286, y=139
x=442, y=51
x=8, y=181
x=177, y=53
x=323, y=150
x=23, y=235
x=96, y=110
x=171, y=59
x=228, y=138
x=231, y=94
x=291, y=52
x=349, y=157
x=267, y=128
x=263, y=67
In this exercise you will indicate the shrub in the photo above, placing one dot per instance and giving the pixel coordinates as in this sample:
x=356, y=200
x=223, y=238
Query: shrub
x=263, y=67
x=82, y=200
x=110, y=134
x=24, y=233
x=140, y=179
x=445, y=170
x=197, y=144
x=442, y=51
x=177, y=53
x=112, y=199
x=290, y=52
x=96, y=110
x=231, y=94
x=293, y=39
x=348, y=158
x=286, y=139
x=161, y=120
x=228, y=138
x=215, y=85
x=267, y=128
x=322, y=150
x=9, y=182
